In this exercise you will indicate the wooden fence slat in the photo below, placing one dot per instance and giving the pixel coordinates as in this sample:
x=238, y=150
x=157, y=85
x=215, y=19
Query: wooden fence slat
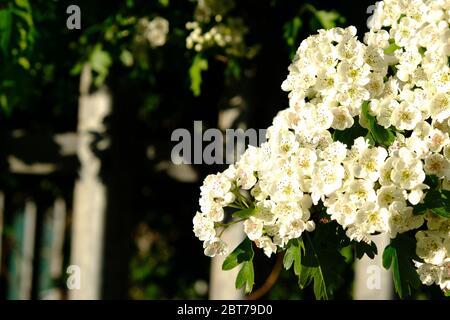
x=89, y=207
x=56, y=259
x=26, y=261
x=59, y=228
x=372, y=281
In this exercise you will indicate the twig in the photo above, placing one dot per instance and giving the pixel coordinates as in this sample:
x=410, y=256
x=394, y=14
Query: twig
x=270, y=281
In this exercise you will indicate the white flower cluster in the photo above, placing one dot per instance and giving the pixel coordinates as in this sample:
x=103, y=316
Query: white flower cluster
x=281, y=210
x=211, y=28
x=153, y=31
x=401, y=72
x=433, y=247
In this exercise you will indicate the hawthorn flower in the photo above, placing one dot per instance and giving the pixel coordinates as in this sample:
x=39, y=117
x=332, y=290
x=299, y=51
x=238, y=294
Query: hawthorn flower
x=372, y=218
x=402, y=219
x=215, y=247
x=253, y=227
x=154, y=32
x=430, y=247
x=369, y=163
x=342, y=210
x=203, y=227
x=305, y=160
x=387, y=195
x=328, y=178
x=406, y=117
x=407, y=171
x=440, y=107
x=267, y=245
x=437, y=165
x=342, y=119
x=428, y=273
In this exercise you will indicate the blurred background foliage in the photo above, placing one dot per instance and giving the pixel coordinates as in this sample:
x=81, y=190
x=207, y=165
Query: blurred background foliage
x=156, y=90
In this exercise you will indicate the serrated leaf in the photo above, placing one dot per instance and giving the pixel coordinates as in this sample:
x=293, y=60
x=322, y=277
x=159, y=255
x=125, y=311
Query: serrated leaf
x=199, y=64
x=362, y=248
x=293, y=256
x=289, y=257
x=246, y=277
x=398, y=256
x=242, y=253
x=245, y=213
x=322, y=262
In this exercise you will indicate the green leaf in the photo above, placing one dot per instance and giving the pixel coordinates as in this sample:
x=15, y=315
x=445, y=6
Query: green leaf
x=24, y=63
x=24, y=4
x=233, y=69
x=420, y=209
x=290, y=34
x=443, y=212
x=199, y=64
x=392, y=48
x=381, y=135
x=438, y=201
x=100, y=61
x=362, y=248
x=242, y=253
x=246, y=277
x=432, y=181
x=328, y=19
x=322, y=262
x=398, y=256
x=25, y=16
x=5, y=30
x=164, y=3
x=431, y=200
x=245, y=213
x=348, y=136
x=293, y=256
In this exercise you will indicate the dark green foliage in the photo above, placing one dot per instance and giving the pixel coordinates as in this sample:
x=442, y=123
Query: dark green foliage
x=398, y=256
x=362, y=248
x=348, y=136
x=317, y=260
x=437, y=201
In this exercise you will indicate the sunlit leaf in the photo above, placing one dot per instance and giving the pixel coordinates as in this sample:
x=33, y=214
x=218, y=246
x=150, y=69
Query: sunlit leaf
x=243, y=252
x=246, y=277
x=199, y=64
